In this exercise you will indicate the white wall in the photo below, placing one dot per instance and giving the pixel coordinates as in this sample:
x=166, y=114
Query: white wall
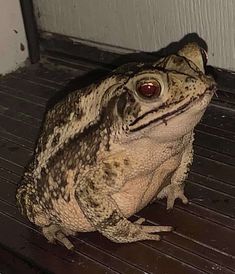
x=12, y=36
x=145, y=24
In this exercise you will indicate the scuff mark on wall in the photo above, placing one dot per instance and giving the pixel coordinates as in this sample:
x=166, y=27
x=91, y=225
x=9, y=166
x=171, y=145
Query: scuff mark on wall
x=12, y=35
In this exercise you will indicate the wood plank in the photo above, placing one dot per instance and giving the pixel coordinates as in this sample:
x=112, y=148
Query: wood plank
x=211, y=199
x=197, y=229
x=214, y=155
x=8, y=192
x=33, y=79
x=27, y=87
x=18, y=131
x=213, y=169
x=201, y=234
x=19, y=116
x=207, y=128
x=205, y=213
x=199, y=249
x=11, y=264
x=9, y=175
x=10, y=166
x=30, y=97
x=16, y=139
x=151, y=260
x=212, y=183
x=225, y=99
x=21, y=105
x=215, y=143
x=46, y=72
x=175, y=253
x=40, y=74
x=14, y=153
x=219, y=118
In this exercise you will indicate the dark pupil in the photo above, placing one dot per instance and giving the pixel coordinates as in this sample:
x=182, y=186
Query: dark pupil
x=149, y=90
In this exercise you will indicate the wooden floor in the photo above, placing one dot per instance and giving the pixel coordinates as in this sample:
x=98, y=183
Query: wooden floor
x=204, y=236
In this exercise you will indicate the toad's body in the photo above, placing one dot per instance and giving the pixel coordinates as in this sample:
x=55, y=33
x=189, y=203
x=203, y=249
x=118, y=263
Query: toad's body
x=106, y=151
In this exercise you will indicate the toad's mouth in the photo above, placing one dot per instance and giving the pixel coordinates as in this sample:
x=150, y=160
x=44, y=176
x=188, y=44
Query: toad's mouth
x=163, y=119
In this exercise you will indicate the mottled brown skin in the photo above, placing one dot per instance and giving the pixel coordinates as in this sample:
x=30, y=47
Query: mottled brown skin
x=106, y=151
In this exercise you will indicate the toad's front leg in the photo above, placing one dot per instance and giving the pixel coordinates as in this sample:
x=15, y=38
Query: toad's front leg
x=176, y=187
x=93, y=197
x=172, y=192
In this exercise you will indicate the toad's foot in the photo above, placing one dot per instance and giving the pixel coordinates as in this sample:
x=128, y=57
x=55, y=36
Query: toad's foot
x=139, y=232
x=54, y=233
x=147, y=230
x=172, y=192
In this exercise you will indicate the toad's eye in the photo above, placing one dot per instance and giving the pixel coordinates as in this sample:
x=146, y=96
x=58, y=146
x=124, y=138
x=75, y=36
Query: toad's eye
x=149, y=90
